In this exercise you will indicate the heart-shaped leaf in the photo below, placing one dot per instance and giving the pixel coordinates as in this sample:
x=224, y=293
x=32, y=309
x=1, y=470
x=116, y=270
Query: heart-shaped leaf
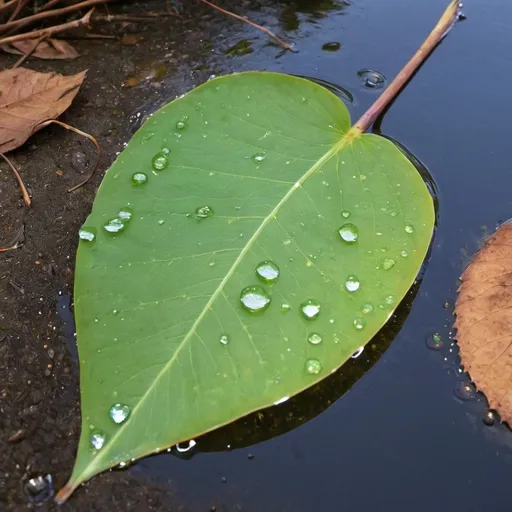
x=242, y=247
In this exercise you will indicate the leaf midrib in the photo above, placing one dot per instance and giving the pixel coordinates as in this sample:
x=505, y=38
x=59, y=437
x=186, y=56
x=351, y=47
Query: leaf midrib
x=347, y=138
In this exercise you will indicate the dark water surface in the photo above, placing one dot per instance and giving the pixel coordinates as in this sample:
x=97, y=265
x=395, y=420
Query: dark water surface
x=400, y=439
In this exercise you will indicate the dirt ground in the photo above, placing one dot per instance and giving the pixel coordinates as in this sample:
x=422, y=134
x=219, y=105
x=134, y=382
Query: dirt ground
x=39, y=395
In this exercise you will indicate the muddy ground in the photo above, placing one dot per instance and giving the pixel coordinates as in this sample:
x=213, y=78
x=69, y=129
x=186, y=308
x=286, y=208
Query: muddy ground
x=39, y=394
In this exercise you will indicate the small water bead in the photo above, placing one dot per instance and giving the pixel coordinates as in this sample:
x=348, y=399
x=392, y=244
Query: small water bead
x=258, y=158
x=182, y=124
x=139, y=178
x=97, y=439
x=314, y=338
x=489, y=418
x=224, y=339
x=310, y=309
x=87, y=234
x=313, y=366
x=464, y=391
x=203, y=212
x=434, y=341
x=367, y=308
x=285, y=307
x=125, y=214
x=372, y=79
x=390, y=299
x=349, y=233
x=345, y=214
x=114, y=225
x=254, y=299
x=267, y=271
x=352, y=284
x=160, y=161
x=332, y=46
x=404, y=254
x=409, y=229
x=119, y=413
x=388, y=263
x=359, y=323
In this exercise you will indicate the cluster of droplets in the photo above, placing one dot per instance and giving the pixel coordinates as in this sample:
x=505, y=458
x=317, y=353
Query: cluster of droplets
x=118, y=413
x=119, y=223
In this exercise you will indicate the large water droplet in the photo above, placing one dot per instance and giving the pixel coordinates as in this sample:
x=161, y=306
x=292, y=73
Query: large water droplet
x=224, y=339
x=139, y=178
x=313, y=366
x=310, y=309
x=87, y=234
x=434, y=341
x=367, y=308
x=160, y=161
x=404, y=253
x=359, y=323
x=349, y=233
x=203, y=212
x=259, y=157
x=352, y=284
x=409, y=229
x=388, y=263
x=372, y=79
x=268, y=271
x=489, y=418
x=181, y=124
x=119, y=413
x=39, y=489
x=125, y=214
x=254, y=299
x=98, y=439
x=314, y=338
x=114, y=225
x=345, y=214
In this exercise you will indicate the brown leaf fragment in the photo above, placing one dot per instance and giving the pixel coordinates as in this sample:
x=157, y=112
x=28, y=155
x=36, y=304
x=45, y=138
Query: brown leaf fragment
x=484, y=321
x=30, y=98
x=48, y=49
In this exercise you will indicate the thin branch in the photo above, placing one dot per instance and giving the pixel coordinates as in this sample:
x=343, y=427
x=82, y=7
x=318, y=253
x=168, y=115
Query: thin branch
x=48, y=31
x=83, y=134
x=49, y=14
x=24, y=190
x=7, y=6
x=282, y=43
x=25, y=56
x=19, y=7
x=138, y=17
x=443, y=26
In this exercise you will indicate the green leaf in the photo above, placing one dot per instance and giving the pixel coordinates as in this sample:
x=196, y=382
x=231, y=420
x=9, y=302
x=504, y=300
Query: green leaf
x=254, y=167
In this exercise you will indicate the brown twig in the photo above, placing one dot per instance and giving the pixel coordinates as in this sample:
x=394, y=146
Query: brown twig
x=127, y=17
x=15, y=24
x=282, y=43
x=444, y=24
x=24, y=190
x=48, y=31
x=19, y=7
x=83, y=134
x=7, y=5
x=24, y=57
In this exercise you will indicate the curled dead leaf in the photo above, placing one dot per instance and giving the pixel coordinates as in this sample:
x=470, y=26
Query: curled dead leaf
x=28, y=99
x=47, y=49
x=484, y=321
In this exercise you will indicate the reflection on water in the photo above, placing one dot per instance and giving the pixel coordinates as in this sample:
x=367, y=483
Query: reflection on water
x=308, y=11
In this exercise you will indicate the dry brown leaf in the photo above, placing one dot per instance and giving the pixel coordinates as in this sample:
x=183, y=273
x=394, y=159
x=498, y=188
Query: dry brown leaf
x=28, y=99
x=48, y=49
x=484, y=321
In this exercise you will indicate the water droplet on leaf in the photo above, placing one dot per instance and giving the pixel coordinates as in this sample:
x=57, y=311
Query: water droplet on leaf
x=352, y=284
x=114, y=225
x=345, y=214
x=119, y=413
x=313, y=366
x=139, y=178
x=349, y=233
x=259, y=157
x=388, y=263
x=254, y=299
x=125, y=214
x=310, y=309
x=409, y=229
x=314, y=338
x=268, y=271
x=160, y=161
x=224, y=339
x=87, y=234
x=285, y=307
x=359, y=323
x=203, y=212
x=367, y=308
x=97, y=439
